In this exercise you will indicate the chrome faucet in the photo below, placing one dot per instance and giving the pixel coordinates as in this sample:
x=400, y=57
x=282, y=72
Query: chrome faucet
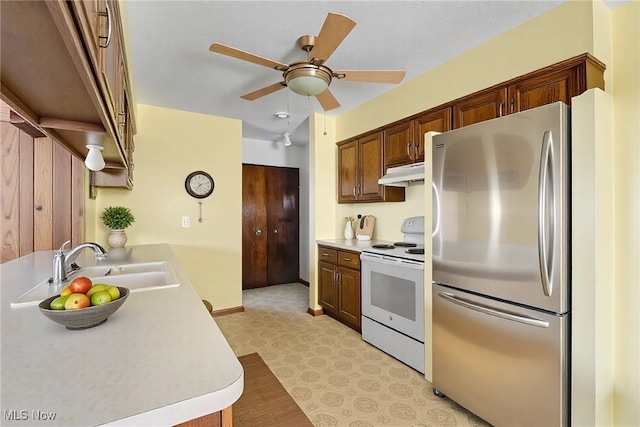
x=62, y=261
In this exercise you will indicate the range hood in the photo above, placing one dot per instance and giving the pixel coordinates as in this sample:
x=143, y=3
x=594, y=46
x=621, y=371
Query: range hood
x=403, y=176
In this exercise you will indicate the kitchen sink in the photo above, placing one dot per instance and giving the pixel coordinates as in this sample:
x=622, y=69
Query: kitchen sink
x=136, y=277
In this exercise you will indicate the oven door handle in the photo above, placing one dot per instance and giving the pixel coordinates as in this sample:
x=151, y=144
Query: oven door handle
x=398, y=262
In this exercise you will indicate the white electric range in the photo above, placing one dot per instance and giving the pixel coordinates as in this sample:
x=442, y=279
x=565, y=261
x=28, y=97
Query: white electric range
x=393, y=295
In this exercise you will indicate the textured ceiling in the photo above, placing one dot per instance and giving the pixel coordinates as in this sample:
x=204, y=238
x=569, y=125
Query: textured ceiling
x=173, y=67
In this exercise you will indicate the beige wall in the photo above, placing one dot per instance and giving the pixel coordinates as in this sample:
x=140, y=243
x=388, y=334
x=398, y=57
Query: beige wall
x=574, y=28
x=169, y=145
x=626, y=143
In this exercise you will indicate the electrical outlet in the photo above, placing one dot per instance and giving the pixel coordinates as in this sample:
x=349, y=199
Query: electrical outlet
x=186, y=222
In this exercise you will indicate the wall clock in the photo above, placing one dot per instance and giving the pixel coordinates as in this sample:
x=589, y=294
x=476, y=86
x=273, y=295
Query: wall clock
x=199, y=184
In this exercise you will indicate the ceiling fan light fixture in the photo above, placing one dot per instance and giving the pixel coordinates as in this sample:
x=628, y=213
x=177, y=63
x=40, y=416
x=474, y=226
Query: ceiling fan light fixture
x=307, y=79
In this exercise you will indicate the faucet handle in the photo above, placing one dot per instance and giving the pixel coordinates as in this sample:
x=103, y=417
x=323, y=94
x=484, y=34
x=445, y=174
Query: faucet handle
x=63, y=245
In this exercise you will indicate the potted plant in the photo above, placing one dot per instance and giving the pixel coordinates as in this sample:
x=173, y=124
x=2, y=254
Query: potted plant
x=117, y=218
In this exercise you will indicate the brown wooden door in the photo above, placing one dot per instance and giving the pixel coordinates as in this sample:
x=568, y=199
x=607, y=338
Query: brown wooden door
x=282, y=225
x=327, y=292
x=349, y=298
x=270, y=226
x=542, y=90
x=438, y=121
x=347, y=170
x=478, y=108
x=370, y=158
x=399, y=148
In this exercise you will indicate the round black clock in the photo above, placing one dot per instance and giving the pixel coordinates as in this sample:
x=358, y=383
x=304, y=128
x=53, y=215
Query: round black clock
x=199, y=184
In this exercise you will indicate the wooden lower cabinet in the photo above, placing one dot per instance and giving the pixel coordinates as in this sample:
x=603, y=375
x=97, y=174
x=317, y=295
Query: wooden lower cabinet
x=339, y=285
x=222, y=418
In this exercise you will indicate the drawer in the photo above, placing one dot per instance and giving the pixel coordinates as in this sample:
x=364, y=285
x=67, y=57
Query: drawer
x=349, y=259
x=327, y=254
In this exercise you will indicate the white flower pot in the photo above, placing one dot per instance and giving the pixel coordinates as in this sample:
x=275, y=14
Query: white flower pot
x=117, y=238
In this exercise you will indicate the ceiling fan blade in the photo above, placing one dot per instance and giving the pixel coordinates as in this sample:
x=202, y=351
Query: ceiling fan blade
x=327, y=100
x=370, y=76
x=246, y=56
x=334, y=30
x=264, y=91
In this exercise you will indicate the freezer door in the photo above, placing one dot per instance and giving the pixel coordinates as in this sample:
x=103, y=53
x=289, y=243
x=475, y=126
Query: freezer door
x=501, y=209
x=506, y=364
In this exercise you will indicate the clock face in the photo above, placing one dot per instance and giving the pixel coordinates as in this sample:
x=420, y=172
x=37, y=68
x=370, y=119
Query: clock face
x=199, y=184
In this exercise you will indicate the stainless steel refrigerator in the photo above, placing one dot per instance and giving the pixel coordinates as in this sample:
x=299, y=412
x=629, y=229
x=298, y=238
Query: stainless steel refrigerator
x=501, y=262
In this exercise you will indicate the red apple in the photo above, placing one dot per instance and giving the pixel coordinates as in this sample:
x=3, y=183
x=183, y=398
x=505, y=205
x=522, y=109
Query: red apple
x=76, y=301
x=80, y=285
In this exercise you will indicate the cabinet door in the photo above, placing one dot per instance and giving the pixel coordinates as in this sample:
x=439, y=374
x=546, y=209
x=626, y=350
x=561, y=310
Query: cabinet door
x=437, y=121
x=544, y=89
x=478, y=108
x=347, y=170
x=399, y=147
x=87, y=14
x=349, y=288
x=327, y=292
x=370, y=168
x=110, y=55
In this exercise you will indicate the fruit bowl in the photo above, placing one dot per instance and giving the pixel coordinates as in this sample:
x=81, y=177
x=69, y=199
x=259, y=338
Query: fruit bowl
x=83, y=318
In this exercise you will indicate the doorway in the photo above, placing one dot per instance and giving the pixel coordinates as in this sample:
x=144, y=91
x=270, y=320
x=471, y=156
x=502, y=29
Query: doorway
x=270, y=225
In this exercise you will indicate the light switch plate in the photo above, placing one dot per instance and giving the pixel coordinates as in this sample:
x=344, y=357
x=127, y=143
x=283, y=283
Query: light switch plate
x=186, y=222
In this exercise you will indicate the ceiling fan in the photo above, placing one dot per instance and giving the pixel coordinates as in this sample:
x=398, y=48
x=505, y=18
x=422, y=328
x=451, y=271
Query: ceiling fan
x=312, y=77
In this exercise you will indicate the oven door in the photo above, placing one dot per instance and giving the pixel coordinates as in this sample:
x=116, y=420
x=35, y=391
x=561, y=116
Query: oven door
x=393, y=293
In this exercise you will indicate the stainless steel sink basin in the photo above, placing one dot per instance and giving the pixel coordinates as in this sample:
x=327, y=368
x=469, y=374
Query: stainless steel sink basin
x=136, y=277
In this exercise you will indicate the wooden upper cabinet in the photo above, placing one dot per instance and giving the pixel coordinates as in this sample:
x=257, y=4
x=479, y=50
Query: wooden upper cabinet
x=404, y=141
x=558, y=82
x=434, y=120
x=476, y=108
x=360, y=166
x=399, y=144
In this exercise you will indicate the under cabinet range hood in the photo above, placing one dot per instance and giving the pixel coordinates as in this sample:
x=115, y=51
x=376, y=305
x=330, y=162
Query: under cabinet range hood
x=403, y=176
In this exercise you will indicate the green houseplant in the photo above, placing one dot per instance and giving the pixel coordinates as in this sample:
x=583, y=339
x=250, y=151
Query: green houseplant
x=117, y=218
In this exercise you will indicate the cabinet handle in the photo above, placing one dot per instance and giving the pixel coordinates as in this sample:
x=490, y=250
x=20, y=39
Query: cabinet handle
x=347, y=259
x=108, y=37
x=338, y=278
x=513, y=102
x=325, y=254
x=354, y=191
x=409, y=149
x=500, y=111
x=335, y=277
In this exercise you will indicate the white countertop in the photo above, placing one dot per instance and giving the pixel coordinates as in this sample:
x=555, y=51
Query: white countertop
x=352, y=244
x=159, y=360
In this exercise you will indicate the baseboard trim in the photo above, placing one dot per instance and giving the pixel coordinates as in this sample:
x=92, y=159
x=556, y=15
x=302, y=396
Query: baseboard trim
x=314, y=313
x=224, y=311
x=304, y=282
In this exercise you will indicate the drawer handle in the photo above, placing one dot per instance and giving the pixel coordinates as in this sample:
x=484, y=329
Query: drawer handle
x=325, y=254
x=347, y=259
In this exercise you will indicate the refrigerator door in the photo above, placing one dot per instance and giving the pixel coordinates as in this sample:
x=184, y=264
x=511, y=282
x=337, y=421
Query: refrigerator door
x=506, y=364
x=500, y=205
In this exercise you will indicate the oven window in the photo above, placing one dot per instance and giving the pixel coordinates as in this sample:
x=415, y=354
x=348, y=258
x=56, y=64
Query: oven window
x=394, y=295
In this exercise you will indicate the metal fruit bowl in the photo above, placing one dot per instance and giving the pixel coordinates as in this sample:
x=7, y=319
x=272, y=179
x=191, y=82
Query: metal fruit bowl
x=83, y=318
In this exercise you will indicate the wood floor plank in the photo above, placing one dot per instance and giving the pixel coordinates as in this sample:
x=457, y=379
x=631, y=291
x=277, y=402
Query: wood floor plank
x=265, y=402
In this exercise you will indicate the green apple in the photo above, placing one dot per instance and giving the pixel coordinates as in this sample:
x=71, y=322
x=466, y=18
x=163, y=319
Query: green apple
x=76, y=301
x=100, y=298
x=96, y=288
x=58, y=303
x=113, y=291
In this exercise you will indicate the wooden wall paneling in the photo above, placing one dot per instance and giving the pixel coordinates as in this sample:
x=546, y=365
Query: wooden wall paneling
x=42, y=194
x=77, y=201
x=26, y=194
x=10, y=173
x=61, y=195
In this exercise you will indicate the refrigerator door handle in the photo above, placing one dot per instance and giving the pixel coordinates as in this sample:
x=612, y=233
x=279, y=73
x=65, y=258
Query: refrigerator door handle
x=435, y=200
x=492, y=311
x=546, y=183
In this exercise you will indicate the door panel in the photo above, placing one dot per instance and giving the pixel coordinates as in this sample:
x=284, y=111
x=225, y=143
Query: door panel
x=282, y=229
x=519, y=359
x=349, y=288
x=327, y=294
x=479, y=108
x=254, y=225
